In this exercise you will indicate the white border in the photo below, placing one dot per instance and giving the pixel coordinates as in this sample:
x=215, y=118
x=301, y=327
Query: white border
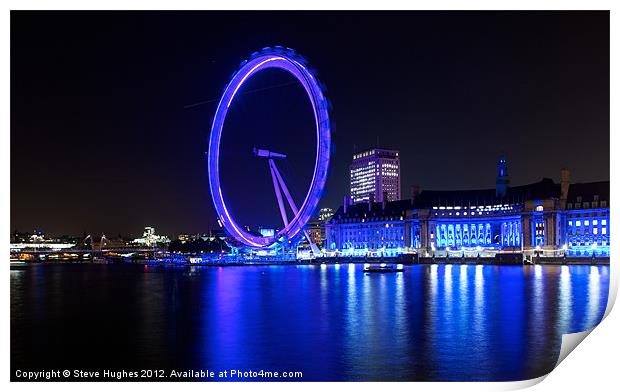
x=594, y=364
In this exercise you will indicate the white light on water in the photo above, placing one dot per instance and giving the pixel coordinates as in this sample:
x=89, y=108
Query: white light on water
x=594, y=296
x=538, y=271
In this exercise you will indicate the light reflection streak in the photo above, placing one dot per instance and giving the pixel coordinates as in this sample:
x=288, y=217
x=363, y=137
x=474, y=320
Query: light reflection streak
x=565, y=300
x=594, y=297
x=478, y=301
x=352, y=320
x=431, y=308
x=448, y=304
x=463, y=280
x=538, y=271
x=447, y=281
x=324, y=300
x=227, y=330
x=464, y=312
x=538, y=297
x=433, y=283
x=399, y=305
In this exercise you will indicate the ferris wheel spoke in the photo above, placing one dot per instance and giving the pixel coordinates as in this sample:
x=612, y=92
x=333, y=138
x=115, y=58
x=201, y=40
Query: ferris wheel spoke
x=289, y=198
x=276, y=188
x=274, y=170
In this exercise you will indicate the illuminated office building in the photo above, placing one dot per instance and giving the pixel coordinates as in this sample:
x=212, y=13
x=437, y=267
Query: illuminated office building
x=543, y=218
x=375, y=175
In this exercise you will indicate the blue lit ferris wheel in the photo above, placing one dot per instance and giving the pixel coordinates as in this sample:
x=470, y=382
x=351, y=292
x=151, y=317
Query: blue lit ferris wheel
x=288, y=60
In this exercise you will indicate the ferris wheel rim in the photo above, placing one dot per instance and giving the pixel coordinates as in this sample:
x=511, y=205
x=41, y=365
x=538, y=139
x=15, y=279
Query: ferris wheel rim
x=287, y=60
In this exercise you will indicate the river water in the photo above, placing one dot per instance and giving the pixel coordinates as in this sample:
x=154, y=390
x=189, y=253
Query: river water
x=329, y=322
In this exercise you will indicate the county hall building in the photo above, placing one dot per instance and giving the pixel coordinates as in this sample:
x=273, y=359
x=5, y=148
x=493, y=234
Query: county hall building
x=544, y=218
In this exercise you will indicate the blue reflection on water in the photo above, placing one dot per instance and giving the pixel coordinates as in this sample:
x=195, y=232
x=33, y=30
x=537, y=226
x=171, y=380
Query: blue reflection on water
x=333, y=322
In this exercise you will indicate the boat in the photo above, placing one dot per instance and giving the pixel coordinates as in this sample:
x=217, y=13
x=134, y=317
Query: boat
x=17, y=265
x=100, y=260
x=383, y=267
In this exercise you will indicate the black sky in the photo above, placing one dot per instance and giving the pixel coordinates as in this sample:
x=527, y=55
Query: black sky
x=101, y=139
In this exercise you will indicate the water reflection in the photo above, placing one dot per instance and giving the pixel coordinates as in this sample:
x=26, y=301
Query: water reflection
x=478, y=323
x=565, y=300
x=594, y=296
x=333, y=322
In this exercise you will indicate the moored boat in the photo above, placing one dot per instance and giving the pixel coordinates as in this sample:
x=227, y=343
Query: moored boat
x=383, y=267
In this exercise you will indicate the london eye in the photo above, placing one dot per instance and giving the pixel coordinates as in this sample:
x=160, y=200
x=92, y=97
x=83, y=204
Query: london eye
x=293, y=223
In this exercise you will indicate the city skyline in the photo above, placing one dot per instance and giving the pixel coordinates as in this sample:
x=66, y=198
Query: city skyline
x=114, y=132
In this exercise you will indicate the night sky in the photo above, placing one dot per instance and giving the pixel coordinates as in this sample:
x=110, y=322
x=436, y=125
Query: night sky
x=109, y=124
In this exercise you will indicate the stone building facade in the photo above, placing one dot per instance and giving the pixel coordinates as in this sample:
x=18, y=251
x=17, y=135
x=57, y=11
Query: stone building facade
x=543, y=218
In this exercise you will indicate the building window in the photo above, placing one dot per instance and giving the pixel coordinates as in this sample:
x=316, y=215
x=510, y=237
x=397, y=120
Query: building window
x=586, y=223
x=604, y=222
x=539, y=208
x=595, y=222
x=569, y=205
x=603, y=204
x=604, y=230
x=577, y=223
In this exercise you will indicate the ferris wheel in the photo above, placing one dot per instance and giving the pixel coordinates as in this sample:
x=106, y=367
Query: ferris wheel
x=288, y=60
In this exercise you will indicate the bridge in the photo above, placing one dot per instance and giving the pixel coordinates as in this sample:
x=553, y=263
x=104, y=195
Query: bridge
x=83, y=255
x=84, y=250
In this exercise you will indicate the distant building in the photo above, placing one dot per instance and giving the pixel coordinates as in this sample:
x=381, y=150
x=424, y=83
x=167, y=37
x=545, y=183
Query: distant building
x=375, y=175
x=316, y=232
x=316, y=227
x=149, y=238
x=325, y=214
x=38, y=240
x=184, y=238
x=540, y=218
x=198, y=244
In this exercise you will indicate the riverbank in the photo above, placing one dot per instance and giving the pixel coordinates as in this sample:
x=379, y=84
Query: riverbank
x=499, y=260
